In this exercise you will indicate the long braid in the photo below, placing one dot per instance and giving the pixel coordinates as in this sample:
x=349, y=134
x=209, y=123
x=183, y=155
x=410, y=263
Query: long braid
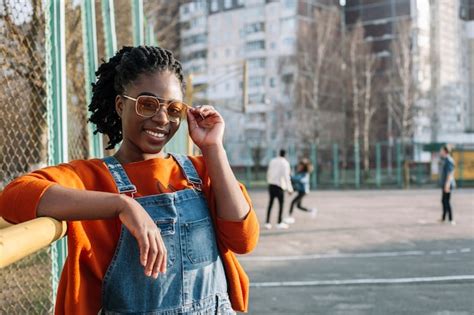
x=114, y=75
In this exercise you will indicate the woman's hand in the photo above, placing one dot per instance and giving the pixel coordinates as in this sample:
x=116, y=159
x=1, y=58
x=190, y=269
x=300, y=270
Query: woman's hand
x=153, y=255
x=206, y=126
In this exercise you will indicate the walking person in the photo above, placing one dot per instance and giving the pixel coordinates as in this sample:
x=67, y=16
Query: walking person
x=300, y=183
x=279, y=181
x=148, y=233
x=447, y=182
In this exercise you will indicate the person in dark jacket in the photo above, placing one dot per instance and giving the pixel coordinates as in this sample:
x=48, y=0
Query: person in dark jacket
x=300, y=182
x=447, y=182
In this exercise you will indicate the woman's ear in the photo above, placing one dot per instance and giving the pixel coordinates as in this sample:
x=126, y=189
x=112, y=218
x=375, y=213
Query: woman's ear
x=119, y=105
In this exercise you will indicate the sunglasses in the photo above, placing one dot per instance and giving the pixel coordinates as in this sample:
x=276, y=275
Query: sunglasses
x=148, y=106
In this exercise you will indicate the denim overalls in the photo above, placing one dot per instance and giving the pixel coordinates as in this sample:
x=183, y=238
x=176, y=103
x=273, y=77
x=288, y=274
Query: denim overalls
x=195, y=281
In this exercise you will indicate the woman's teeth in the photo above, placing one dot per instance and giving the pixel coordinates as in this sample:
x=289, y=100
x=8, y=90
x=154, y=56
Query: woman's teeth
x=155, y=134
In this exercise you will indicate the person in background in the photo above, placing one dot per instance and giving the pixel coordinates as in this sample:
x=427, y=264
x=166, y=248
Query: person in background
x=447, y=182
x=279, y=181
x=300, y=183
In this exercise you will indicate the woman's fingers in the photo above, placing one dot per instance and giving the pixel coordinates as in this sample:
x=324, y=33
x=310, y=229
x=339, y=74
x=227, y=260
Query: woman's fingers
x=164, y=257
x=144, y=245
x=203, y=111
x=152, y=253
x=160, y=262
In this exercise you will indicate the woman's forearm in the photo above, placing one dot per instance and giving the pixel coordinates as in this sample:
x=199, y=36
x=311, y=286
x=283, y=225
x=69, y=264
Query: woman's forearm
x=231, y=203
x=72, y=204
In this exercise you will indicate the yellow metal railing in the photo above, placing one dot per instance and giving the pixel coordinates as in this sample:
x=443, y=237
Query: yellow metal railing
x=20, y=240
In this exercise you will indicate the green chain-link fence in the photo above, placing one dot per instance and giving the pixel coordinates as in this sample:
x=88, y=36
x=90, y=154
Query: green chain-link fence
x=25, y=287
x=342, y=166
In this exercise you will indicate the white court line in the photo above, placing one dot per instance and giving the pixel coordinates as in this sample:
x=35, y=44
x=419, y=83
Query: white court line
x=353, y=255
x=361, y=281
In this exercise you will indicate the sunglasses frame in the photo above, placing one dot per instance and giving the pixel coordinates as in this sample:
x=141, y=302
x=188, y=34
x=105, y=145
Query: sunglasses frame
x=186, y=106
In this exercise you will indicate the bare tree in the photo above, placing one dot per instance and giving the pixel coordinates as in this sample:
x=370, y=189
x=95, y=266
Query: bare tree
x=164, y=16
x=362, y=64
x=402, y=84
x=317, y=53
x=356, y=44
x=23, y=96
x=369, y=105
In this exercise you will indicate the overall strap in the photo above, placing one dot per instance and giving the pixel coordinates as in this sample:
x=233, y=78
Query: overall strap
x=120, y=176
x=188, y=170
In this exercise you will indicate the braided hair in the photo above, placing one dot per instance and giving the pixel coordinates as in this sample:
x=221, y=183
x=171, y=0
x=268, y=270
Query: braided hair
x=112, y=77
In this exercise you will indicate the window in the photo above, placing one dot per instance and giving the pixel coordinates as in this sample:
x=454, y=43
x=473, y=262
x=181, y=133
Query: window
x=195, y=39
x=289, y=42
x=200, y=21
x=255, y=45
x=196, y=55
x=272, y=82
x=185, y=9
x=256, y=81
x=214, y=6
x=227, y=4
x=185, y=26
x=287, y=78
x=289, y=4
x=240, y=2
x=256, y=63
x=288, y=25
x=256, y=98
x=255, y=28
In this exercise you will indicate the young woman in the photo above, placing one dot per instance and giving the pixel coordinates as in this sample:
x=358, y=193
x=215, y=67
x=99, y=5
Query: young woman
x=148, y=233
x=300, y=183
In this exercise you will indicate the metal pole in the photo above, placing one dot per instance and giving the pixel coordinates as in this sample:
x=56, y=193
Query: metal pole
x=399, y=163
x=357, y=164
x=314, y=160
x=57, y=110
x=248, y=171
x=108, y=19
x=245, y=83
x=150, y=36
x=89, y=35
x=378, y=153
x=335, y=154
x=461, y=165
x=137, y=22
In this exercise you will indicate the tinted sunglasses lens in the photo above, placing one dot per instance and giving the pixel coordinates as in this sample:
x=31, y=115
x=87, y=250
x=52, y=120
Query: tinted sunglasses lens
x=147, y=106
x=176, y=110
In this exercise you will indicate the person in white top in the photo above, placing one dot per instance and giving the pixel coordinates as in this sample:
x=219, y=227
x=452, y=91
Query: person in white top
x=279, y=181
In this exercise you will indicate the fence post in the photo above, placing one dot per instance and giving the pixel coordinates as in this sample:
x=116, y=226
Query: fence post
x=137, y=22
x=57, y=110
x=378, y=163
x=335, y=154
x=90, y=64
x=399, y=163
x=150, y=38
x=461, y=166
x=290, y=152
x=357, y=164
x=108, y=18
x=314, y=161
x=248, y=171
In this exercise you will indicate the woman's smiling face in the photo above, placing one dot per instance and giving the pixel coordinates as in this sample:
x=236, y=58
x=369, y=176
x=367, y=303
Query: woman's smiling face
x=144, y=138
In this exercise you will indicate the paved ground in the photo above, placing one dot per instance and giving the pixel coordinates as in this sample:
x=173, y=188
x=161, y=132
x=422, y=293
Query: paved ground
x=366, y=252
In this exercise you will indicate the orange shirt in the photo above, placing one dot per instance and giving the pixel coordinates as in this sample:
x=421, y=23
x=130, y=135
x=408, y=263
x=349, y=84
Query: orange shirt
x=91, y=244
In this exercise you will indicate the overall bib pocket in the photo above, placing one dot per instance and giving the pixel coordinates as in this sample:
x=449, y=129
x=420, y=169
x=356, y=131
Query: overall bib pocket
x=167, y=228
x=200, y=241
